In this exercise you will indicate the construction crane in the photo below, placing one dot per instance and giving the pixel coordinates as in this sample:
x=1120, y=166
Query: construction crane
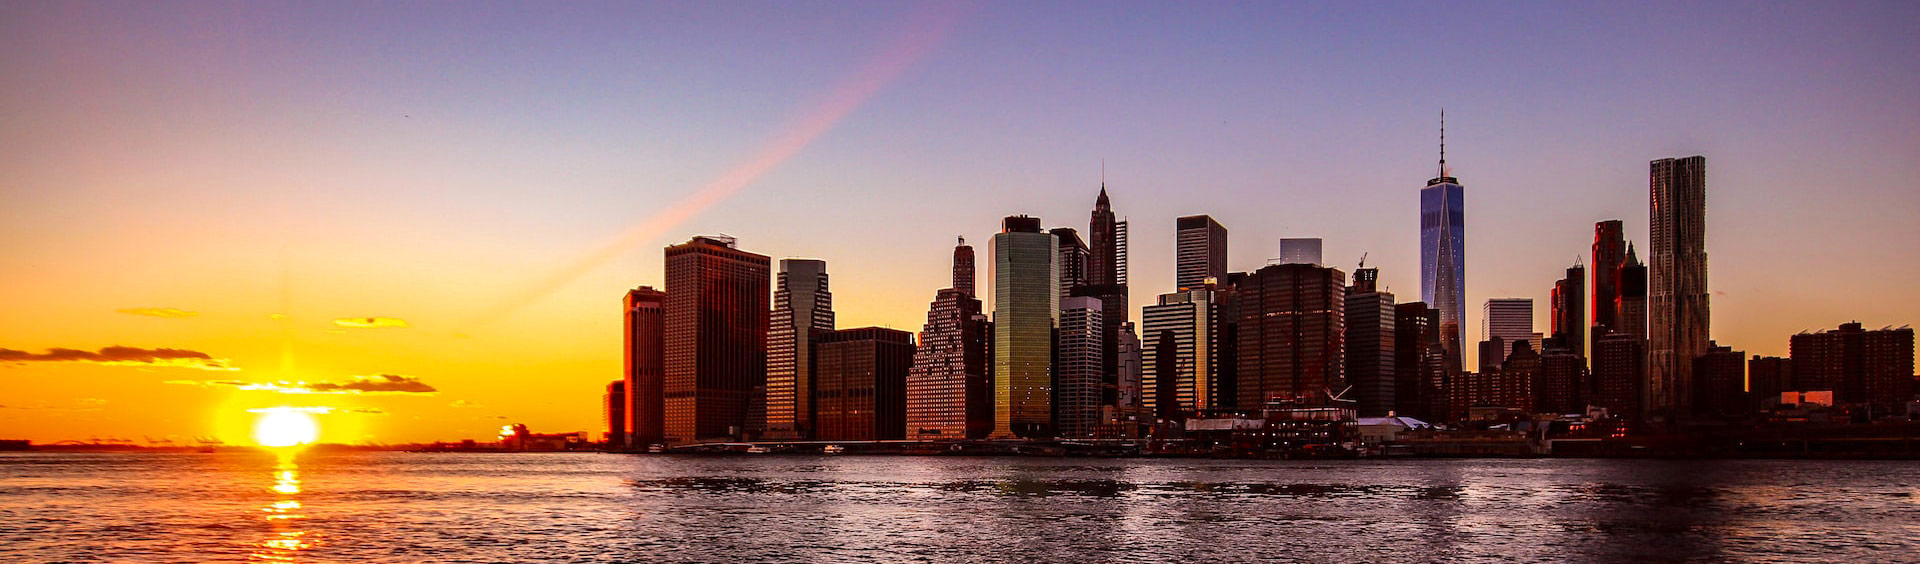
x=1363, y=260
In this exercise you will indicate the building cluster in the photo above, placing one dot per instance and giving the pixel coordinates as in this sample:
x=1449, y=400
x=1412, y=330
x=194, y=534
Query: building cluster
x=1051, y=350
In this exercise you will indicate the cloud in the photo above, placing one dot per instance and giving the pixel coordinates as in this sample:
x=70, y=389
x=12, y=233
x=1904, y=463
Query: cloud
x=167, y=312
x=122, y=356
x=363, y=410
x=376, y=384
x=371, y=322
x=317, y=410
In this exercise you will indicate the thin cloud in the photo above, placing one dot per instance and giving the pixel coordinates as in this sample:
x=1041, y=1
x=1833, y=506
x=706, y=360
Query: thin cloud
x=122, y=356
x=167, y=312
x=378, y=384
x=372, y=322
x=317, y=410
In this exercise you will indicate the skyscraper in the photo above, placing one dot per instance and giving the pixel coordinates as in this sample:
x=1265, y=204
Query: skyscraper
x=1510, y=319
x=645, y=364
x=1569, y=311
x=1678, y=316
x=1370, y=358
x=802, y=306
x=862, y=392
x=1026, y=310
x=1107, y=282
x=1200, y=253
x=950, y=386
x=1131, y=369
x=1189, y=320
x=1631, y=305
x=1421, y=379
x=1619, y=374
x=716, y=337
x=963, y=268
x=1290, y=334
x=1300, y=250
x=1073, y=258
x=1079, y=373
x=1609, y=254
x=614, y=413
x=1443, y=250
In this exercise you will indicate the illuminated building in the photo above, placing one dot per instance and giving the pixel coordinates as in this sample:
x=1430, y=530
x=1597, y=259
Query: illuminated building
x=614, y=413
x=1200, y=252
x=1678, y=316
x=645, y=364
x=716, y=338
x=861, y=392
x=1370, y=340
x=1077, y=368
x=1181, y=376
x=1026, y=309
x=949, y=386
x=802, y=307
x=1443, y=250
x=1291, y=327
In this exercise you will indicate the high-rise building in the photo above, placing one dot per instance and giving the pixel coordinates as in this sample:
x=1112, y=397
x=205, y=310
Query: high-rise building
x=1767, y=376
x=614, y=413
x=862, y=388
x=1370, y=338
x=1510, y=319
x=1189, y=319
x=1131, y=369
x=1558, y=383
x=645, y=364
x=1569, y=311
x=716, y=338
x=950, y=387
x=1861, y=367
x=1631, y=305
x=1026, y=310
x=1200, y=252
x=1073, y=258
x=1619, y=374
x=1300, y=250
x=1678, y=316
x=1443, y=251
x=1078, y=368
x=1421, y=379
x=1290, y=334
x=1720, y=382
x=963, y=268
x=802, y=306
x=1609, y=254
x=1512, y=385
x=1107, y=282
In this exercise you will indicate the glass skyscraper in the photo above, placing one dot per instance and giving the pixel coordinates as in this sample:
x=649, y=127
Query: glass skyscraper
x=1026, y=310
x=1443, y=250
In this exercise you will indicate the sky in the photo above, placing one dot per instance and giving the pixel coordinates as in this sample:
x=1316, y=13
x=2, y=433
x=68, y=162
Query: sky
x=420, y=218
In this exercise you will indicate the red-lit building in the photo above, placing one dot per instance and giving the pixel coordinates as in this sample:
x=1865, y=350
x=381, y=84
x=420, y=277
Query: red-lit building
x=716, y=338
x=645, y=372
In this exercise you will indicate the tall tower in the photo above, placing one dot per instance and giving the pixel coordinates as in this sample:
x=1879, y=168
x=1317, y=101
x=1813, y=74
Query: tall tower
x=1569, y=311
x=1079, y=372
x=949, y=386
x=1200, y=252
x=1678, y=317
x=645, y=358
x=1026, y=310
x=1073, y=258
x=1443, y=250
x=802, y=307
x=1370, y=333
x=963, y=268
x=1609, y=253
x=1631, y=305
x=716, y=338
x=1107, y=282
x=1180, y=358
x=1291, y=331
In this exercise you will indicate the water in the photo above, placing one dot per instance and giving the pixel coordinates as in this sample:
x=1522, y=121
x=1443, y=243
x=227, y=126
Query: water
x=402, y=507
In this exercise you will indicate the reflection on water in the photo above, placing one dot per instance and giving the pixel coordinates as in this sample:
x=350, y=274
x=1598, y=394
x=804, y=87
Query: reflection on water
x=400, y=507
x=284, y=515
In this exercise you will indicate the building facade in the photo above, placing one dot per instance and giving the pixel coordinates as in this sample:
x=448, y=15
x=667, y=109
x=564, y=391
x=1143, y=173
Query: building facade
x=1862, y=367
x=1421, y=379
x=1370, y=338
x=644, y=342
x=1678, y=314
x=1609, y=254
x=1186, y=381
x=614, y=413
x=1569, y=311
x=1026, y=311
x=1200, y=252
x=802, y=306
x=1510, y=319
x=1443, y=251
x=1079, y=367
x=716, y=338
x=862, y=388
x=1290, y=334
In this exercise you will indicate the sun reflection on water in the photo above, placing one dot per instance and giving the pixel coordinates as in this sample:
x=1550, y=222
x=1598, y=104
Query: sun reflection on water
x=285, y=537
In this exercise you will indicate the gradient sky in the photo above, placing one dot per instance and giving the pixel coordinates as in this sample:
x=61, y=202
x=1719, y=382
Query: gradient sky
x=497, y=175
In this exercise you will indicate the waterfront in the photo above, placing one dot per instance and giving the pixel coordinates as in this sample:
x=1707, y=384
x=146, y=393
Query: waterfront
x=406, y=507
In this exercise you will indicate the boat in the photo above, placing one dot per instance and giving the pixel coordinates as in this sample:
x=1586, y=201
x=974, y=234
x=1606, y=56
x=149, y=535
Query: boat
x=833, y=449
x=757, y=449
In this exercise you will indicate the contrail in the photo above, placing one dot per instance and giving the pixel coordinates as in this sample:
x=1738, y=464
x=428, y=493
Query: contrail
x=926, y=29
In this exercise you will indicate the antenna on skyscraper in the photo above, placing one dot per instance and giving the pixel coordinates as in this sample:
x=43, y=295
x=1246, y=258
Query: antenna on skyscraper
x=1443, y=142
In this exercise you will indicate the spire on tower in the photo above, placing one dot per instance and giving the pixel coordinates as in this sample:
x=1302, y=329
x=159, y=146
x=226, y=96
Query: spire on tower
x=1443, y=142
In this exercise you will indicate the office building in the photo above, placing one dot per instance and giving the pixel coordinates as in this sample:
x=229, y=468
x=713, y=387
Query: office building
x=1678, y=315
x=1510, y=319
x=802, y=307
x=1200, y=253
x=1107, y=282
x=1370, y=338
x=1026, y=310
x=644, y=344
x=1185, y=382
x=1569, y=311
x=1421, y=379
x=1443, y=251
x=1078, y=367
x=1609, y=254
x=716, y=338
x=862, y=388
x=613, y=411
x=1559, y=382
x=1631, y=305
x=1073, y=258
x=1290, y=334
x=963, y=268
x=1619, y=374
x=949, y=386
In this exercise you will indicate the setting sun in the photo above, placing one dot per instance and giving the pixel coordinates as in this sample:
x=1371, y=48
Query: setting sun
x=285, y=428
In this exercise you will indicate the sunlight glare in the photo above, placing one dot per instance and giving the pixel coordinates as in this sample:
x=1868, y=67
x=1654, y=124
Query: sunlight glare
x=285, y=428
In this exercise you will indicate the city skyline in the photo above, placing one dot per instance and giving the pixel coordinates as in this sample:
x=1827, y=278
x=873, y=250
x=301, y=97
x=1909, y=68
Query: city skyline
x=393, y=263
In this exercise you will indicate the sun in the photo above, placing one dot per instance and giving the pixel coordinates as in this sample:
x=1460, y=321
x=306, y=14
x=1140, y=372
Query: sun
x=285, y=428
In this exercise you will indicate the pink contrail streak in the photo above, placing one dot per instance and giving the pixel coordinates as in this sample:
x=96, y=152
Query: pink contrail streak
x=925, y=30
